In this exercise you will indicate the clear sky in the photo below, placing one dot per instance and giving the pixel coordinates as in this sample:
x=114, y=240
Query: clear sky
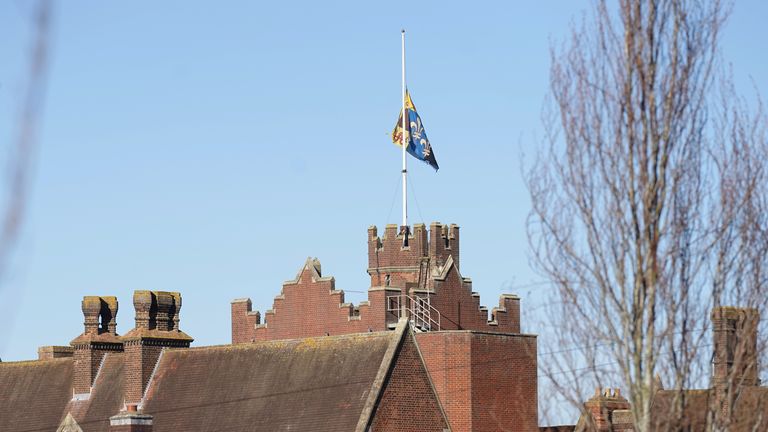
x=205, y=149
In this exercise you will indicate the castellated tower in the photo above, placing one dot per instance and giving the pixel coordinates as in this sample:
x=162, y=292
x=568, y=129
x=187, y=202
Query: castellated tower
x=390, y=263
x=479, y=361
x=427, y=270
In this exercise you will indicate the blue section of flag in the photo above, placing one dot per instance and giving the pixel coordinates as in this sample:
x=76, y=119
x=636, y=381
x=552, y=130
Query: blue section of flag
x=416, y=139
x=418, y=144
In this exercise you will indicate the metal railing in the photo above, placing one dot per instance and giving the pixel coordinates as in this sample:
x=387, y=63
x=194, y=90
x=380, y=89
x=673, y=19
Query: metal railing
x=423, y=316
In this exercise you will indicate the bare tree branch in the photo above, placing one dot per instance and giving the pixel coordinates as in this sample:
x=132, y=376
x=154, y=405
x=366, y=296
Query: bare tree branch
x=649, y=204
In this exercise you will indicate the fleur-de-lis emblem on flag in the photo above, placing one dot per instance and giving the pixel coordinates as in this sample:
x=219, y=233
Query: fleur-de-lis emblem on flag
x=416, y=139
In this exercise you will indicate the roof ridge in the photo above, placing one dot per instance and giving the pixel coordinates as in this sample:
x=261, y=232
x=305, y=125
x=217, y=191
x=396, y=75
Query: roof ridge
x=33, y=362
x=256, y=344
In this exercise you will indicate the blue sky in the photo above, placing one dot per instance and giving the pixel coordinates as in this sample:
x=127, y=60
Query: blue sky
x=209, y=150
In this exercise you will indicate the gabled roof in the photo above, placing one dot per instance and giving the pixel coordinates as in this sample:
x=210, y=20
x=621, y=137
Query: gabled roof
x=317, y=384
x=320, y=384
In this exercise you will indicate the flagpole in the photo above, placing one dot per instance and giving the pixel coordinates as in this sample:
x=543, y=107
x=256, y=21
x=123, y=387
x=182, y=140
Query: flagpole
x=405, y=166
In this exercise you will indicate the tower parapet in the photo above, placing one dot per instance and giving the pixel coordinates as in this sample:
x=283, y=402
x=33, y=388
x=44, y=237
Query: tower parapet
x=444, y=242
x=393, y=264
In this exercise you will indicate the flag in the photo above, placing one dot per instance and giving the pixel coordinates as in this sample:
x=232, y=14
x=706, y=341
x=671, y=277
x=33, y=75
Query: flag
x=415, y=137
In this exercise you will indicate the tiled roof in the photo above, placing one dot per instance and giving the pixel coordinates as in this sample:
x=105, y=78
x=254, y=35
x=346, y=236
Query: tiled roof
x=318, y=384
x=313, y=384
x=106, y=397
x=33, y=394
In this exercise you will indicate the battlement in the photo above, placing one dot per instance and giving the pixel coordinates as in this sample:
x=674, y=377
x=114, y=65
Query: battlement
x=394, y=262
x=425, y=268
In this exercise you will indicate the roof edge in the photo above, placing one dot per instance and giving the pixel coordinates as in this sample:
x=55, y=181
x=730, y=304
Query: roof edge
x=387, y=363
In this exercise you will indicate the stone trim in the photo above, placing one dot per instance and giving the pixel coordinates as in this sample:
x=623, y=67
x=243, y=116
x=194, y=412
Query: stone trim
x=128, y=419
x=398, y=269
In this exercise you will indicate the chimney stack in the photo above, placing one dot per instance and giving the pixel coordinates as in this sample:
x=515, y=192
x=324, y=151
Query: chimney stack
x=734, y=363
x=130, y=420
x=157, y=328
x=99, y=337
x=608, y=409
x=54, y=352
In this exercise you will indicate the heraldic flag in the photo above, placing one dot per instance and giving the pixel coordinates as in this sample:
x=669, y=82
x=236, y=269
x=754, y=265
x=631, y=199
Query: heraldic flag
x=415, y=137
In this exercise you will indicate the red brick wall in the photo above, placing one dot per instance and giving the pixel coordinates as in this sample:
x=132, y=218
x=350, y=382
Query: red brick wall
x=461, y=310
x=244, y=321
x=448, y=357
x=409, y=402
x=54, y=352
x=504, y=387
x=444, y=242
x=387, y=256
x=485, y=382
x=140, y=360
x=310, y=306
x=313, y=307
x=87, y=360
x=86, y=364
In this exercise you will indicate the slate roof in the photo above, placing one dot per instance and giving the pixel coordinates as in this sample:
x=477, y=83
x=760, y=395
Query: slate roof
x=318, y=384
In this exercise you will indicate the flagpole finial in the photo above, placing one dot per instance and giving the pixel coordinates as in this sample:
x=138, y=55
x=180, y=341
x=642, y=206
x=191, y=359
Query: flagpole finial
x=402, y=31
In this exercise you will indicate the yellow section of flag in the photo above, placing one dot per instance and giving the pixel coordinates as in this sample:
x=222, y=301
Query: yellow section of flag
x=397, y=132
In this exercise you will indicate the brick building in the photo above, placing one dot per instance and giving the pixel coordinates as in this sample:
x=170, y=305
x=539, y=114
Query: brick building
x=483, y=369
x=421, y=354
x=735, y=401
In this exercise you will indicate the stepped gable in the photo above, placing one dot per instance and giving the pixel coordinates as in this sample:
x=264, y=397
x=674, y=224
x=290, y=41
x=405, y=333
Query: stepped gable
x=308, y=306
x=428, y=268
x=40, y=392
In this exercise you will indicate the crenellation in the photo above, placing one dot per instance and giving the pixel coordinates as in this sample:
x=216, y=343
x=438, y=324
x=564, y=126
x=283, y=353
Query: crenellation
x=428, y=266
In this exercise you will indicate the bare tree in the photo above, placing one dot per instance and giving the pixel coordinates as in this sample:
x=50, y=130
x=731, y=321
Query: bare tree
x=649, y=203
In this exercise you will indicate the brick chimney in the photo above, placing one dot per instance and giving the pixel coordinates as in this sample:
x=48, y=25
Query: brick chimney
x=734, y=361
x=130, y=420
x=157, y=328
x=54, y=352
x=608, y=410
x=98, y=338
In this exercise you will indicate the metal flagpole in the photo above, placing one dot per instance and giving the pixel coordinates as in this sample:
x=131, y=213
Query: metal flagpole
x=405, y=166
